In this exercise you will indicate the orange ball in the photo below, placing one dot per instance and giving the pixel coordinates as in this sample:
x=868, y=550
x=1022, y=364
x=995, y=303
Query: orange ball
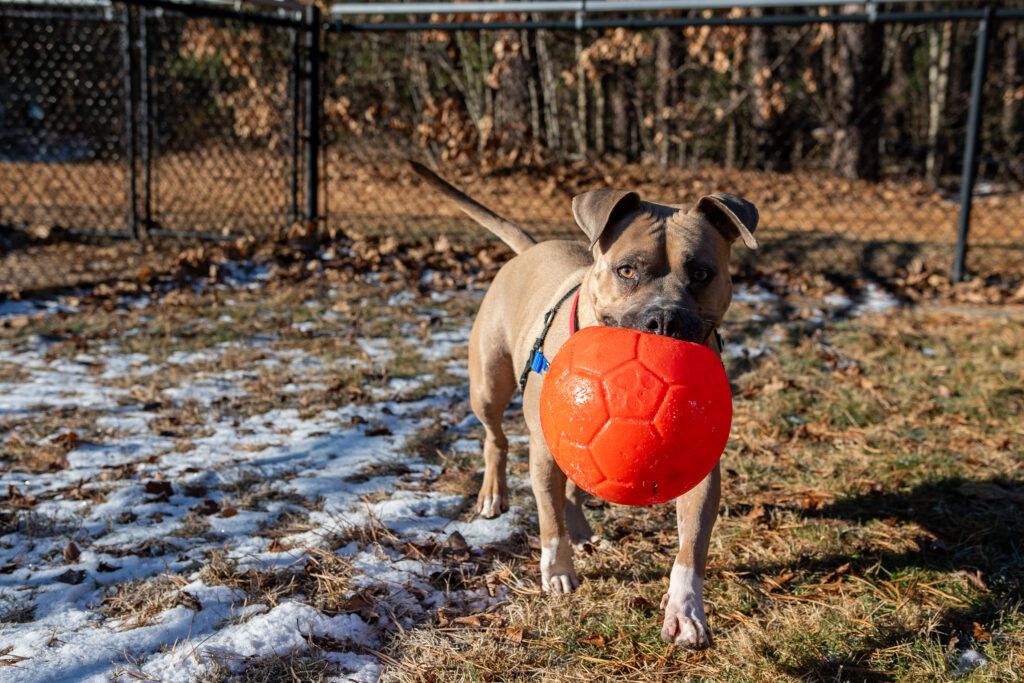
x=635, y=418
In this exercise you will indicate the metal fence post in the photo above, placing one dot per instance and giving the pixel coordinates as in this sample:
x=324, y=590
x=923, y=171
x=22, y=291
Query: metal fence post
x=130, y=133
x=145, y=122
x=293, y=131
x=970, y=164
x=312, y=104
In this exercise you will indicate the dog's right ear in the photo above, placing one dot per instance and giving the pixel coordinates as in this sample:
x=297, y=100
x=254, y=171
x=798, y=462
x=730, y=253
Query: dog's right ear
x=597, y=209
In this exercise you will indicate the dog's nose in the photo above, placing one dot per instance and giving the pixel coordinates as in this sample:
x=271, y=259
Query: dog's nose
x=671, y=323
x=662, y=322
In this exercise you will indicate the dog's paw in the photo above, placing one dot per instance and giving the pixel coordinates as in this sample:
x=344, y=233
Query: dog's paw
x=684, y=627
x=560, y=583
x=557, y=573
x=685, y=624
x=491, y=505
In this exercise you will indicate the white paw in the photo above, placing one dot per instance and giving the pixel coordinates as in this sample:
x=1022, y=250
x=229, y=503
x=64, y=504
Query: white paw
x=685, y=624
x=556, y=569
x=492, y=505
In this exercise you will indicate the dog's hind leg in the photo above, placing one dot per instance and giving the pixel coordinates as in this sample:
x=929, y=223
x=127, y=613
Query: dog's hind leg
x=575, y=521
x=491, y=386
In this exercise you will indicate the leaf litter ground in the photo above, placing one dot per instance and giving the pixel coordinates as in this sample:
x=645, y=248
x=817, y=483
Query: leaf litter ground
x=270, y=476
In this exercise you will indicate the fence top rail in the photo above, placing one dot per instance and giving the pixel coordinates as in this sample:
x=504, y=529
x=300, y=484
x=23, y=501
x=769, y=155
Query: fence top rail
x=293, y=5
x=585, y=6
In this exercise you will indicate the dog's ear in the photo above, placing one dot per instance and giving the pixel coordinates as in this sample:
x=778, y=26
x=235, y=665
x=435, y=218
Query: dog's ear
x=733, y=216
x=597, y=209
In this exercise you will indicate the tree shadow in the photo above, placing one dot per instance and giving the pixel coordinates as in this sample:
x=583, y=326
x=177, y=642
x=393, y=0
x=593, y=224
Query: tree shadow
x=977, y=525
x=973, y=527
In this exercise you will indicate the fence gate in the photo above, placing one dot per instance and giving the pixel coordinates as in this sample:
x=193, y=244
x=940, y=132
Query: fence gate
x=157, y=118
x=63, y=119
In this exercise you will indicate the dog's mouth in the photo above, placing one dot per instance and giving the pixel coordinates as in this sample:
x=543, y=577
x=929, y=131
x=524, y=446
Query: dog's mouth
x=684, y=326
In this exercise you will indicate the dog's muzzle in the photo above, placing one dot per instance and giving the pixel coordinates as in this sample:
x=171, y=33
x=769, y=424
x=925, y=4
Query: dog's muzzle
x=669, y=322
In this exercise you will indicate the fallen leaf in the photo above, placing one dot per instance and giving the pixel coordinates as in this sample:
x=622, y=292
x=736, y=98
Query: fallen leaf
x=981, y=633
x=473, y=621
x=72, y=576
x=158, y=488
x=71, y=552
x=513, y=635
x=67, y=441
x=195, y=491
x=456, y=541
x=207, y=507
x=841, y=570
x=595, y=640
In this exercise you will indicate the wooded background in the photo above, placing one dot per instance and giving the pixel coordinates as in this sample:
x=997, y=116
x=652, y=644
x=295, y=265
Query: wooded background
x=864, y=101
x=848, y=136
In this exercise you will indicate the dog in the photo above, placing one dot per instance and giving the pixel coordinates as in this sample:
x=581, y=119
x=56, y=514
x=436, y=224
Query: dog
x=652, y=267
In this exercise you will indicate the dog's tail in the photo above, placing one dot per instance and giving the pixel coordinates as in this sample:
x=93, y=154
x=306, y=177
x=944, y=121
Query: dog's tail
x=508, y=232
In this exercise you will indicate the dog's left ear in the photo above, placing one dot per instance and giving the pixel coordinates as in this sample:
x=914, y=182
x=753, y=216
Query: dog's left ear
x=597, y=209
x=733, y=216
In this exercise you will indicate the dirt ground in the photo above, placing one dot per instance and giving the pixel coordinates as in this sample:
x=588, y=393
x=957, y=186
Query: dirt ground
x=809, y=220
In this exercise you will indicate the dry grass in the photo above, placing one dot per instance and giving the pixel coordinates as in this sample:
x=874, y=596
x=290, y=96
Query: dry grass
x=870, y=530
x=140, y=602
x=322, y=582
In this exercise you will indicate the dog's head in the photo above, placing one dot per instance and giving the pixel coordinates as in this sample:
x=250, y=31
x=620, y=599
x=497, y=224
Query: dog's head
x=659, y=268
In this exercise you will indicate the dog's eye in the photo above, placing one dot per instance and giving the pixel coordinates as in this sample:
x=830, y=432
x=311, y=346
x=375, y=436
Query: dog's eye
x=701, y=275
x=626, y=272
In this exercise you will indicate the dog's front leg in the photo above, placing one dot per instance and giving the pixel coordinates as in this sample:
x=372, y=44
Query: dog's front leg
x=696, y=510
x=548, y=481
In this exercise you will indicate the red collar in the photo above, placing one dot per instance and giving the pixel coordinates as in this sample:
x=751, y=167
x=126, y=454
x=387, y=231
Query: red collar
x=572, y=313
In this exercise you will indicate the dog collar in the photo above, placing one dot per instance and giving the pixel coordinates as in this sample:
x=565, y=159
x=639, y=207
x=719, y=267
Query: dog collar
x=537, y=362
x=572, y=312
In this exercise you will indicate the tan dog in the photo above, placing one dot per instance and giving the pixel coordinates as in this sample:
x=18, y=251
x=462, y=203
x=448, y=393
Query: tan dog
x=649, y=267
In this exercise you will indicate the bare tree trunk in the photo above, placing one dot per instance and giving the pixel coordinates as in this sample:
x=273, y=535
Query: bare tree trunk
x=643, y=140
x=899, y=114
x=1011, y=124
x=485, y=68
x=761, y=116
x=548, y=91
x=858, y=130
x=938, y=85
x=531, y=83
x=828, y=72
x=620, y=114
x=470, y=84
x=732, y=127
x=599, y=109
x=512, y=95
x=664, y=93
x=418, y=68
x=582, y=108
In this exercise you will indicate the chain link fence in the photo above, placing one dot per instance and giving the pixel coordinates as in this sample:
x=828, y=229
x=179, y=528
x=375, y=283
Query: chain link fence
x=146, y=120
x=62, y=118
x=849, y=137
x=851, y=132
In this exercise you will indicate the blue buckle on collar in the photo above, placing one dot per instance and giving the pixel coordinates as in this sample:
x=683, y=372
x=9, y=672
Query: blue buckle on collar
x=539, y=363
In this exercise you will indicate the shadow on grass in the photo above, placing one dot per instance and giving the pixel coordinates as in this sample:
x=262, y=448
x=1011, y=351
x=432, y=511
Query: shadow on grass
x=977, y=532
x=978, y=525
